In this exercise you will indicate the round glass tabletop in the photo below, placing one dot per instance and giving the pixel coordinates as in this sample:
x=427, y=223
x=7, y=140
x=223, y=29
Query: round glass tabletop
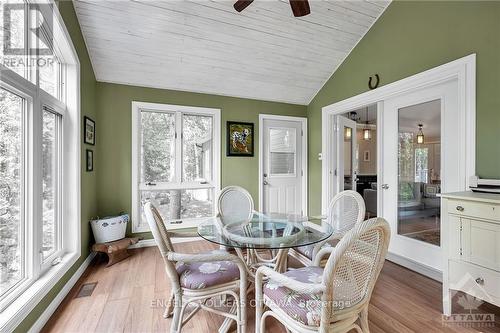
x=274, y=231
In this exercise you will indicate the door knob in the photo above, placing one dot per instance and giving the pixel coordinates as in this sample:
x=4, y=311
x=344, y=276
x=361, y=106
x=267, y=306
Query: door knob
x=265, y=182
x=385, y=186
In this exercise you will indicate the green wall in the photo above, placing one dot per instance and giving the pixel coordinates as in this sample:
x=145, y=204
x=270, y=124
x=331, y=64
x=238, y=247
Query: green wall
x=88, y=179
x=114, y=157
x=410, y=37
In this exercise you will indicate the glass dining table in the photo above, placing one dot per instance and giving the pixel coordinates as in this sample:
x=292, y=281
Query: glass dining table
x=274, y=232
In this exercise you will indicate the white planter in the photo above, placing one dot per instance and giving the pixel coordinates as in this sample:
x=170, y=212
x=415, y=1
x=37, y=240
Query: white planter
x=109, y=229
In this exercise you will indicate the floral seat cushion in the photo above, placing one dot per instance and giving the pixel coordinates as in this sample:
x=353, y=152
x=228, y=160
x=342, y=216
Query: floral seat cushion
x=201, y=275
x=304, y=308
x=308, y=249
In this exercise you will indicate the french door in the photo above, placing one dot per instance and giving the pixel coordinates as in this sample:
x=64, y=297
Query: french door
x=420, y=150
x=346, y=169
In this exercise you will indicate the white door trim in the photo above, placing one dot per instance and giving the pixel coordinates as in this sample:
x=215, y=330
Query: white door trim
x=463, y=70
x=303, y=122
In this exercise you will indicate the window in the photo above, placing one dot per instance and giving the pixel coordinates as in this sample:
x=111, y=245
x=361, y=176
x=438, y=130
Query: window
x=12, y=217
x=39, y=120
x=176, y=158
x=421, y=165
x=282, y=151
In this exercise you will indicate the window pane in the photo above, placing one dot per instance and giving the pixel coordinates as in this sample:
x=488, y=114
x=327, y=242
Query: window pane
x=49, y=182
x=197, y=148
x=11, y=197
x=419, y=206
x=181, y=204
x=282, y=150
x=282, y=163
x=15, y=56
x=49, y=74
x=158, y=147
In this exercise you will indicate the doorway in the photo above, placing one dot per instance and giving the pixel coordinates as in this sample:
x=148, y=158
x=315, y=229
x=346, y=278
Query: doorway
x=425, y=134
x=283, y=164
x=356, y=151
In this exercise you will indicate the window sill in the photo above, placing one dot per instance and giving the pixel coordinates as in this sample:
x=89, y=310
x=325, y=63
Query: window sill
x=19, y=309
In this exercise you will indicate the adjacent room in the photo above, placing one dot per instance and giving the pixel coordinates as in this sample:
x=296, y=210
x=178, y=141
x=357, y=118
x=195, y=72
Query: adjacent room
x=249, y=166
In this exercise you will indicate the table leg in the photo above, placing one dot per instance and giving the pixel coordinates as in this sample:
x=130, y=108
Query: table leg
x=281, y=260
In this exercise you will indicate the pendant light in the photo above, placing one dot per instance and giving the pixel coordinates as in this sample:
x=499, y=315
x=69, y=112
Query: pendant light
x=367, y=133
x=348, y=133
x=420, y=135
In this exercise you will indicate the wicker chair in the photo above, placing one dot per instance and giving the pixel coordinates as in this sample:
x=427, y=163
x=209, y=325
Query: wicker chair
x=345, y=210
x=235, y=204
x=195, y=278
x=333, y=299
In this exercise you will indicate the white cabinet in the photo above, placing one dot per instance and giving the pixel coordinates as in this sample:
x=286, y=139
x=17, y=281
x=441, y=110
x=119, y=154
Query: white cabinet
x=472, y=246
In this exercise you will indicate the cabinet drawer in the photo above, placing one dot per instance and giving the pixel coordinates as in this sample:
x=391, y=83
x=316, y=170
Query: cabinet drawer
x=474, y=209
x=474, y=280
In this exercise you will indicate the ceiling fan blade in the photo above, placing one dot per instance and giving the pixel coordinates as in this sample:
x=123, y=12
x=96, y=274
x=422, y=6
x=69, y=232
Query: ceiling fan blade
x=241, y=4
x=300, y=7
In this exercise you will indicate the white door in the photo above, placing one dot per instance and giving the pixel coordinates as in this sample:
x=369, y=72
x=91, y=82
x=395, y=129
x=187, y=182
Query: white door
x=282, y=166
x=418, y=163
x=346, y=169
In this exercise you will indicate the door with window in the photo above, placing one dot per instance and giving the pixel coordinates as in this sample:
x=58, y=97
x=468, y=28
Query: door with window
x=418, y=128
x=282, y=166
x=176, y=163
x=346, y=169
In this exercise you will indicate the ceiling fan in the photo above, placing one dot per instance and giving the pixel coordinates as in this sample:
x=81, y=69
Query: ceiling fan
x=299, y=7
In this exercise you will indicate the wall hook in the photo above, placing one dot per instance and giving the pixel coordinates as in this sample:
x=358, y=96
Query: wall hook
x=373, y=85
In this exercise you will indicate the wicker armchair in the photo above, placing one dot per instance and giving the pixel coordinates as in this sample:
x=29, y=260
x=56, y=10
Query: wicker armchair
x=195, y=278
x=333, y=299
x=346, y=209
x=235, y=204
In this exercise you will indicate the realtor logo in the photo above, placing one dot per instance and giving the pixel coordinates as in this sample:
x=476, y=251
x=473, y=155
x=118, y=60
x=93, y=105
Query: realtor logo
x=40, y=28
x=474, y=297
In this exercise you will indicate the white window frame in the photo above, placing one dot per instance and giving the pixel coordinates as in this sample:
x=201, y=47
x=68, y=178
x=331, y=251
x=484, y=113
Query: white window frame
x=42, y=275
x=136, y=159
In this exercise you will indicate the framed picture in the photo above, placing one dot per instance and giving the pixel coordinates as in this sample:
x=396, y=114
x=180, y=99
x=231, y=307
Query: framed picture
x=90, y=160
x=366, y=156
x=240, y=137
x=88, y=131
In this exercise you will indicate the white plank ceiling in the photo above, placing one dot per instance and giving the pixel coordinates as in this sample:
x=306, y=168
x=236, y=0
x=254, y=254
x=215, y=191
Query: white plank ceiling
x=206, y=46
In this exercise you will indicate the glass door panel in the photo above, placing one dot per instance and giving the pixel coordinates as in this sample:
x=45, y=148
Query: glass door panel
x=419, y=136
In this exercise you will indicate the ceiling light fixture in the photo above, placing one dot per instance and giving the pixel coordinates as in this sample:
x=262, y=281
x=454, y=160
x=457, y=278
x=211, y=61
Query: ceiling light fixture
x=348, y=133
x=420, y=135
x=367, y=132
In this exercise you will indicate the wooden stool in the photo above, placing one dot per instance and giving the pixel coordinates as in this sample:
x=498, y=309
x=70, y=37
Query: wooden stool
x=117, y=250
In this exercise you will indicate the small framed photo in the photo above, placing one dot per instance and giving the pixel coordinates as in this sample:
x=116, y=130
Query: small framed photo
x=366, y=156
x=90, y=160
x=240, y=139
x=88, y=131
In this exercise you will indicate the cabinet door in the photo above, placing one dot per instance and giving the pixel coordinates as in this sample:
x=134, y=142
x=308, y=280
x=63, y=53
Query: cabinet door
x=481, y=243
x=455, y=235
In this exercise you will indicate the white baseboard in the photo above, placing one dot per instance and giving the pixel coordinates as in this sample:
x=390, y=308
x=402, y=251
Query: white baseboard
x=415, y=266
x=44, y=318
x=151, y=242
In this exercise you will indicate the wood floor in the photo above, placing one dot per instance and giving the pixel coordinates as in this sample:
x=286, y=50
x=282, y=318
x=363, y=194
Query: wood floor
x=129, y=297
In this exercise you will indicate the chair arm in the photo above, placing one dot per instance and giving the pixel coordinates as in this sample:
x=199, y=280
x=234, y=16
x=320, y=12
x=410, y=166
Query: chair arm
x=176, y=234
x=323, y=252
x=286, y=281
